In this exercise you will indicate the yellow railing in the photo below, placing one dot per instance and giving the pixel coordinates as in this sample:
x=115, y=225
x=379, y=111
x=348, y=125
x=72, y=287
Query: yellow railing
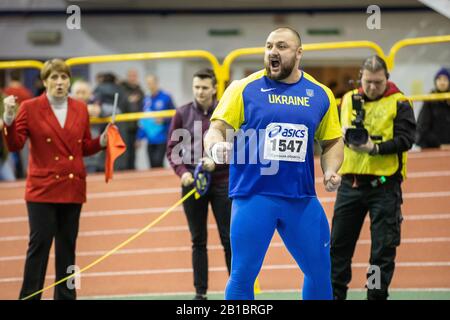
x=21, y=64
x=153, y=56
x=233, y=55
x=170, y=113
x=429, y=97
x=136, y=116
x=222, y=71
x=412, y=42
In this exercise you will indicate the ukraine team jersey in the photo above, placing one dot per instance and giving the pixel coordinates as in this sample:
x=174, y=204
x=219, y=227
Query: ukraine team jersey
x=276, y=125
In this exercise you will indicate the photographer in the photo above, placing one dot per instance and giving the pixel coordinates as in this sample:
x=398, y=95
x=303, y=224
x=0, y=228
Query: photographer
x=372, y=173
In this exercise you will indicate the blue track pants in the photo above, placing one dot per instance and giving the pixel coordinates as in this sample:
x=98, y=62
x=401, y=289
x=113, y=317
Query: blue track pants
x=303, y=226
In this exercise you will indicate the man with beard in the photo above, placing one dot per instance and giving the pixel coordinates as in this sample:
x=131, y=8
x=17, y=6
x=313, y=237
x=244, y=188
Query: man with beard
x=279, y=111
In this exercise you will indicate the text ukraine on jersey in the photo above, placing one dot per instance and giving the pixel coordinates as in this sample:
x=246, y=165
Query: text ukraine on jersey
x=289, y=100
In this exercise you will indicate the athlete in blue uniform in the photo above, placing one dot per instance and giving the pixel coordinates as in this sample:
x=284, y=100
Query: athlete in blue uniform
x=275, y=115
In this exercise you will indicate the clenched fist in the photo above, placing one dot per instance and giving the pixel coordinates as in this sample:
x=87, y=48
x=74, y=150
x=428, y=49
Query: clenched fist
x=221, y=152
x=331, y=180
x=10, y=106
x=187, y=179
x=208, y=164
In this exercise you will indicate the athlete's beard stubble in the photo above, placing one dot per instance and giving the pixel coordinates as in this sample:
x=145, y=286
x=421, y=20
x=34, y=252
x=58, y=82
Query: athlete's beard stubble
x=286, y=69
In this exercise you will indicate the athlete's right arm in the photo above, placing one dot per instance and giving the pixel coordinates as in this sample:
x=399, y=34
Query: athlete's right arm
x=226, y=119
x=218, y=142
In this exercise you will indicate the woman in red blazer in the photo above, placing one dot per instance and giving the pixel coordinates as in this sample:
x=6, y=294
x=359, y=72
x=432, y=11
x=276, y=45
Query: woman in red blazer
x=58, y=129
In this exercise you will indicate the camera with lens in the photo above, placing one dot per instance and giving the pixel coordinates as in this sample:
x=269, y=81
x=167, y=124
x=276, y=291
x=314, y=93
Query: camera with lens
x=358, y=135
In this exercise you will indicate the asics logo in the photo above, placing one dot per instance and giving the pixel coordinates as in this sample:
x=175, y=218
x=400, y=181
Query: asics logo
x=286, y=132
x=267, y=90
x=274, y=131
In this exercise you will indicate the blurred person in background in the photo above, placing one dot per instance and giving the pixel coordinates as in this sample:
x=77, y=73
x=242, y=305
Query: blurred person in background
x=81, y=90
x=99, y=78
x=433, y=124
x=104, y=95
x=155, y=130
x=199, y=112
x=6, y=161
x=135, y=97
x=38, y=86
x=17, y=89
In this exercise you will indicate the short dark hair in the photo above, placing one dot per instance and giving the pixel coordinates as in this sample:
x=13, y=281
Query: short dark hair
x=206, y=73
x=374, y=64
x=293, y=31
x=109, y=77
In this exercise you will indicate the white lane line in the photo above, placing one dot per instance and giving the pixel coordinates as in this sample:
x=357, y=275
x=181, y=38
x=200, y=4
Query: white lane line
x=211, y=248
x=422, y=195
x=419, y=217
x=412, y=240
x=366, y=265
x=113, y=194
x=434, y=216
x=410, y=175
x=427, y=155
x=112, y=232
x=160, y=173
x=102, y=213
x=134, y=175
x=154, y=191
x=276, y=291
x=100, y=177
x=129, y=273
x=178, y=228
x=160, y=191
x=408, y=195
x=428, y=174
x=131, y=193
x=160, y=210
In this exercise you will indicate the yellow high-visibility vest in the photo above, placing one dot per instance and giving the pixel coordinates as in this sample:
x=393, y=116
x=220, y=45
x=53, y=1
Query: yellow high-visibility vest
x=379, y=121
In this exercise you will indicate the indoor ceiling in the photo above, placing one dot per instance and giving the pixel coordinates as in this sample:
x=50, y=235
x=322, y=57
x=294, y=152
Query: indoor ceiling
x=203, y=4
x=238, y=4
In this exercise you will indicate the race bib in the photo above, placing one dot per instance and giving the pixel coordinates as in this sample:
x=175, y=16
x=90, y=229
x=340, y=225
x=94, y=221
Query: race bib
x=286, y=142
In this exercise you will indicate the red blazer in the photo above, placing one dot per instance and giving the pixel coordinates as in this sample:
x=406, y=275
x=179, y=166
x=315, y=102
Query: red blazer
x=56, y=171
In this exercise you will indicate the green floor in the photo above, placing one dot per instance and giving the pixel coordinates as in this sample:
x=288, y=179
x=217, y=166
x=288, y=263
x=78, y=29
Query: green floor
x=352, y=295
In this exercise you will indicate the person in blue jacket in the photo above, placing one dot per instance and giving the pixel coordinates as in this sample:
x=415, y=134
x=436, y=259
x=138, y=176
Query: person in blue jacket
x=155, y=130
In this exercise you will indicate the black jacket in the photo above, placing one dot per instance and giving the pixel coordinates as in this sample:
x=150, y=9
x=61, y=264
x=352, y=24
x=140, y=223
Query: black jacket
x=433, y=125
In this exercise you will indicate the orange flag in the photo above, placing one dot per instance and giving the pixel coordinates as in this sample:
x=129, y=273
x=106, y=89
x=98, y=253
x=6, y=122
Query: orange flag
x=115, y=147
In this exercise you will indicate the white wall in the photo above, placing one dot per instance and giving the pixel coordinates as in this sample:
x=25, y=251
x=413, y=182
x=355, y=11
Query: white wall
x=127, y=34
x=120, y=34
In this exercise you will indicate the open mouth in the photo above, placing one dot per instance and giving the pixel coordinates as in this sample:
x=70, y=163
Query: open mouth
x=274, y=63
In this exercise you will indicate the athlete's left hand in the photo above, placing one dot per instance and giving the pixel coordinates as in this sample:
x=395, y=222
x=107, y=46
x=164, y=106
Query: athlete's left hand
x=331, y=180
